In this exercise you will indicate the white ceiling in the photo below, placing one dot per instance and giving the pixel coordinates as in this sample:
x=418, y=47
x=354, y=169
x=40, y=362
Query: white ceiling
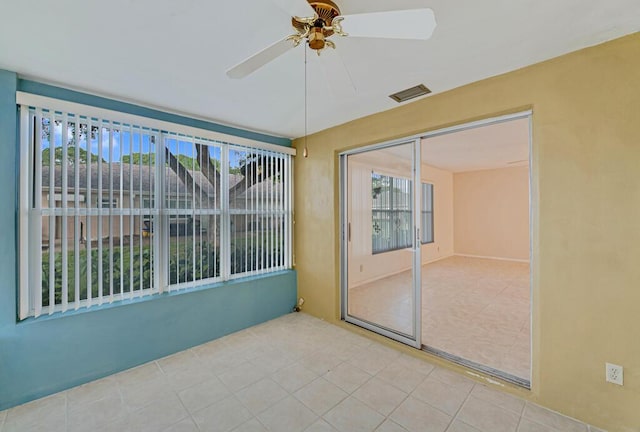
x=173, y=54
x=498, y=145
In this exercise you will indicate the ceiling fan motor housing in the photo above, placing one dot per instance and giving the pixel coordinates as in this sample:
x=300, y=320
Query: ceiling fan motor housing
x=326, y=10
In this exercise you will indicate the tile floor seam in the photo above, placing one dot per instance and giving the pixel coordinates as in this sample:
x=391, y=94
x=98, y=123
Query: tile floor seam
x=546, y=426
x=520, y=417
x=390, y=420
x=332, y=407
x=519, y=421
x=397, y=406
x=426, y=403
x=524, y=406
x=520, y=414
x=362, y=402
x=258, y=420
x=397, y=387
x=120, y=394
x=358, y=388
x=462, y=405
x=454, y=417
x=66, y=411
x=554, y=429
x=189, y=415
x=268, y=406
x=195, y=422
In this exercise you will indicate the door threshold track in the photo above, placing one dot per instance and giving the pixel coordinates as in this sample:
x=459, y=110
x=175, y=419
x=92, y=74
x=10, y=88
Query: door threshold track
x=521, y=382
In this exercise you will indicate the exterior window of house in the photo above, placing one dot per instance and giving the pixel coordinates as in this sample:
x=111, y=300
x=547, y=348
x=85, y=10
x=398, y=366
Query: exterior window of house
x=91, y=220
x=258, y=208
x=192, y=205
x=392, y=227
x=426, y=219
x=107, y=203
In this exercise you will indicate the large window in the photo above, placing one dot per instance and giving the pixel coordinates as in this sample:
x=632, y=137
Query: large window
x=113, y=211
x=392, y=212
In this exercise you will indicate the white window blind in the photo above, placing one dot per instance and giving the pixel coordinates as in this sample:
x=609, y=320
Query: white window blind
x=91, y=219
x=392, y=225
x=392, y=213
x=259, y=206
x=192, y=202
x=426, y=217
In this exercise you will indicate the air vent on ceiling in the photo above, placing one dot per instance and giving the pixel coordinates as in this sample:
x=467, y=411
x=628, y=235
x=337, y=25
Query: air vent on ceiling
x=410, y=93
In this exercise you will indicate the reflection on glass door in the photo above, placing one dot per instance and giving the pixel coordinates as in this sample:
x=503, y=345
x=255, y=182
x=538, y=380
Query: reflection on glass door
x=380, y=241
x=476, y=289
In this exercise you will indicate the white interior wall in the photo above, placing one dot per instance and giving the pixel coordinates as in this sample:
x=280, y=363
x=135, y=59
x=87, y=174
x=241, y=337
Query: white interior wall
x=491, y=213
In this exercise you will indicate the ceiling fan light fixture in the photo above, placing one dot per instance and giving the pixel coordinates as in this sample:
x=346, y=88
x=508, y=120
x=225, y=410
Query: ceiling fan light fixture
x=316, y=39
x=410, y=93
x=318, y=28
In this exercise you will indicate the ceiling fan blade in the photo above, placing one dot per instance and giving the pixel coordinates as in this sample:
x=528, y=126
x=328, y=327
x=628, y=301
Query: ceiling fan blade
x=337, y=74
x=299, y=8
x=399, y=24
x=260, y=59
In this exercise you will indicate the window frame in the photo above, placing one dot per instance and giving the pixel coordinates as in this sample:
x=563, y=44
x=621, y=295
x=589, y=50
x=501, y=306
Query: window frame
x=106, y=200
x=30, y=233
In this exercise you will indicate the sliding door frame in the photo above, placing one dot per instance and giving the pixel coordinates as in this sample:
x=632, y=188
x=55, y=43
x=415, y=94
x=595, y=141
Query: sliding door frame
x=414, y=340
x=520, y=381
x=533, y=208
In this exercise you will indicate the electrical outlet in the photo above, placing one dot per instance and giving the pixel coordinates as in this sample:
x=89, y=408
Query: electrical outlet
x=614, y=373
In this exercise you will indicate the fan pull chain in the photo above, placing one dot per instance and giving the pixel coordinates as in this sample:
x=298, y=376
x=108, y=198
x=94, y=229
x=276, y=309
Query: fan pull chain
x=305, y=152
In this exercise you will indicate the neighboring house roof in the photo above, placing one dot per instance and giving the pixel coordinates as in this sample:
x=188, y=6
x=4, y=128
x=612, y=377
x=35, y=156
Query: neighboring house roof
x=142, y=179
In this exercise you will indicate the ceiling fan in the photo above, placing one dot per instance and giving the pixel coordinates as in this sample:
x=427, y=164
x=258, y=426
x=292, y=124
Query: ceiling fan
x=315, y=22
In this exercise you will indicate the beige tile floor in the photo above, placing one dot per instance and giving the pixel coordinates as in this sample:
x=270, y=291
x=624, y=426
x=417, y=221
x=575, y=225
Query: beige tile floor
x=477, y=309
x=295, y=373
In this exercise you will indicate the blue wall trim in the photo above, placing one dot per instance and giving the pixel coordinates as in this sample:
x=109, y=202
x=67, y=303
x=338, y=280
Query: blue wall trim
x=101, y=102
x=43, y=356
x=9, y=208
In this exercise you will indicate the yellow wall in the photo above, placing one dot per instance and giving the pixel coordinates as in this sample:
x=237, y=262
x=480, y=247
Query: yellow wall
x=491, y=213
x=586, y=197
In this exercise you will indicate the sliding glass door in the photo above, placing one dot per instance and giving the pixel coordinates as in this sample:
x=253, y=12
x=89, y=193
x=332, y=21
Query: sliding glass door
x=381, y=224
x=404, y=203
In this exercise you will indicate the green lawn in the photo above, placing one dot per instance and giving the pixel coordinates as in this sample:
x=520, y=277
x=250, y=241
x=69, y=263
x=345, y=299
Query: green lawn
x=184, y=265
